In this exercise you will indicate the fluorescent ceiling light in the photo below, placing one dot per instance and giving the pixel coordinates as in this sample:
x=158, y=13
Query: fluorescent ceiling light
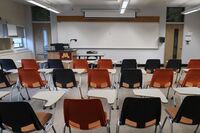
x=122, y=11
x=36, y=3
x=191, y=10
x=124, y=6
x=43, y=5
x=53, y=10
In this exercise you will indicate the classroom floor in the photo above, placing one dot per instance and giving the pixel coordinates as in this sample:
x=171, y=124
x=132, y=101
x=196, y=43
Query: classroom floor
x=74, y=93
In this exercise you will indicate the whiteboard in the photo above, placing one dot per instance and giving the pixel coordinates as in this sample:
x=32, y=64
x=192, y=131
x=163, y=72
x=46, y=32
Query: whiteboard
x=110, y=34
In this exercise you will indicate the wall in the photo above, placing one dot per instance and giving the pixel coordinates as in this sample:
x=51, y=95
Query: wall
x=12, y=12
x=54, y=32
x=192, y=24
x=16, y=13
x=29, y=30
x=140, y=54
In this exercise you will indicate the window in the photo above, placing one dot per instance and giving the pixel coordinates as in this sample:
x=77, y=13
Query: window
x=174, y=14
x=18, y=42
x=46, y=41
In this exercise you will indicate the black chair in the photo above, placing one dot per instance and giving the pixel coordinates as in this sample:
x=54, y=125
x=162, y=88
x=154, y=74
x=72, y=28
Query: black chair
x=129, y=64
x=188, y=113
x=7, y=64
x=130, y=79
x=65, y=78
x=19, y=117
x=151, y=65
x=4, y=83
x=140, y=113
x=174, y=64
x=55, y=63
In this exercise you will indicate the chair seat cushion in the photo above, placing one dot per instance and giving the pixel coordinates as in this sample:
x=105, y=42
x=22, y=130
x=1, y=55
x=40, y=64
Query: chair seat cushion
x=172, y=111
x=12, y=82
x=43, y=118
x=134, y=124
x=92, y=125
x=3, y=85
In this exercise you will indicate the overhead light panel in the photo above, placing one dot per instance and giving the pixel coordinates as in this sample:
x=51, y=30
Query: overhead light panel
x=43, y=5
x=122, y=11
x=53, y=10
x=191, y=10
x=124, y=6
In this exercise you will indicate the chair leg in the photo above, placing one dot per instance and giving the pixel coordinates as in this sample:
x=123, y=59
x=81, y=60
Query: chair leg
x=54, y=130
x=160, y=127
x=12, y=88
x=43, y=74
x=47, y=87
x=164, y=122
x=64, y=128
x=168, y=92
x=171, y=125
x=117, y=99
x=80, y=92
x=117, y=104
x=19, y=89
x=196, y=128
x=174, y=100
x=173, y=95
x=117, y=128
x=29, y=98
x=108, y=128
x=155, y=129
x=70, y=131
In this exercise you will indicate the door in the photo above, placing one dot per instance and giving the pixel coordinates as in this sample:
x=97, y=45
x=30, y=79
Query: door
x=42, y=39
x=174, y=41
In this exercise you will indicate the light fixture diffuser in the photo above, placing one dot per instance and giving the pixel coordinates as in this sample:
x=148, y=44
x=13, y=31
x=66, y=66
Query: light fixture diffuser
x=124, y=6
x=43, y=5
x=191, y=10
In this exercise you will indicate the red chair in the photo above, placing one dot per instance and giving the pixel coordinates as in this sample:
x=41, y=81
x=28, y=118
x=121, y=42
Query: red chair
x=84, y=114
x=162, y=78
x=194, y=63
x=29, y=64
x=98, y=78
x=30, y=78
x=192, y=78
x=105, y=64
x=81, y=64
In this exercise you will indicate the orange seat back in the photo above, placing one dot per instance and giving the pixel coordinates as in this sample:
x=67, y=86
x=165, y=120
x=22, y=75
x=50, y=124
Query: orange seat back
x=192, y=78
x=98, y=78
x=162, y=78
x=81, y=64
x=105, y=64
x=29, y=64
x=30, y=78
x=84, y=114
x=194, y=63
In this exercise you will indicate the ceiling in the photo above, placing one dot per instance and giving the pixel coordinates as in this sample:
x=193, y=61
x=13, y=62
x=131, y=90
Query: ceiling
x=118, y=2
x=115, y=4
